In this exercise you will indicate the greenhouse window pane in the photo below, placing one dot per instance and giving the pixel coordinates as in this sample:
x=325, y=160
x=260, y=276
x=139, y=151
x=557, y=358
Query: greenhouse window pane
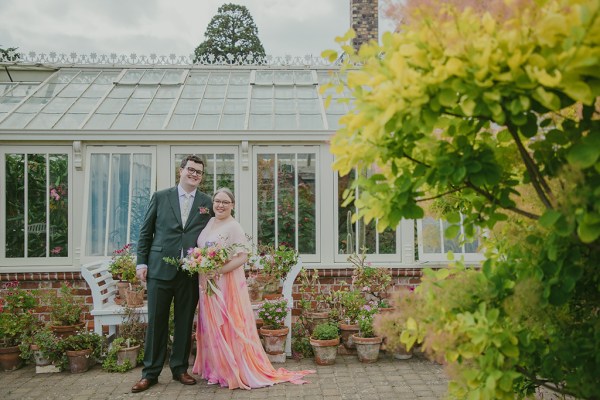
x=126, y=121
x=5, y=87
x=136, y=106
x=181, y=122
x=258, y=122
x=96, y=91
x=303, y=77
x=211, y=106
x=175, y=77
x=232, y=122
x=240, y=78
x=215, y=92
x=187, y=106
x=160, y=106
x=309, y=107
x=152, y=121
x=206, y=122
x=333, y=121
x=263, y=77
x=284, y=92
x=84, y=105
x=110, y=106
x=152, y=77
x=237, y=92
x=23, y=90
x=49, y=90
x=285, y=106
x=86, y=77
x=286, y=122
x=44, y=121
x=235, y=106
x=262, y=92
x=8, y=103
x=218, y=78
x=144, y=92
x=192, y=92
x=106, y=78
x=306, y=92
x=59, y=105
x=311, y=121
x=283, y=77
x=121, y=92
x=167, y=92
x=63, y=76
x=131, y=77
x=100, y=121
x=70, y=121
x=17, y=120
x=73, y=90
x=33, y=104
x=197, y=78
x=261, y=106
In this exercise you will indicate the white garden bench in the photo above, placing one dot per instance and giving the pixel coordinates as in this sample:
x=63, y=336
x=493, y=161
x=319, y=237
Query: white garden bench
x=104, y=290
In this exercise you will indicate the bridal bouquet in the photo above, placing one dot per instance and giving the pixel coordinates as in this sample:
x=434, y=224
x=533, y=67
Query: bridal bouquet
x=203, y=260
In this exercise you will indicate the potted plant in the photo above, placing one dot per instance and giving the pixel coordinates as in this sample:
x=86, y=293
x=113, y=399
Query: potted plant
x=274, y=331
x=366, y=342
x=373, y=282
x=274, y=263
x=81, y=349
x=351, y=303
x=65, y=310
x=126, y=351
x=45, y=348
x=301, y=347
x=325, y=340
x=313, y=303
x=123, y=267
x=17, y=322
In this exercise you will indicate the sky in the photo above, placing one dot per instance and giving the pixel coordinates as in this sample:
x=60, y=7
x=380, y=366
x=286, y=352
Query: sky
x=164, y=27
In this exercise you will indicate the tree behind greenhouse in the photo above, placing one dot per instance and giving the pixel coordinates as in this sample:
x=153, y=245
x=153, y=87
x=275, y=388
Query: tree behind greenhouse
x=489, y=117
x=232, y=35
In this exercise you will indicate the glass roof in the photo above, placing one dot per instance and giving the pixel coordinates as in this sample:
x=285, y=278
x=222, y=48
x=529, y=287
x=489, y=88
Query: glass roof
x=173, y=99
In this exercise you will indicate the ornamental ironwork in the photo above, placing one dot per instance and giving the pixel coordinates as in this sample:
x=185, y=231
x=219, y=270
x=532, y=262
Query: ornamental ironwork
x=133, y=59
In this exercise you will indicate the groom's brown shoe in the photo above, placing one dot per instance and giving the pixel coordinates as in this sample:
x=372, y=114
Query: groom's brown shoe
x=143, y=384
x=185, y=378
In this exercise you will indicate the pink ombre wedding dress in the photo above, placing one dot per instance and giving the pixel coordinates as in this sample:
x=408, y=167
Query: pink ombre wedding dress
x=229, y=351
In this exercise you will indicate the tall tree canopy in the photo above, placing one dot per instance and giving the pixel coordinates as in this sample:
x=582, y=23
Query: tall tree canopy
x=231, y=34
x=495, y=112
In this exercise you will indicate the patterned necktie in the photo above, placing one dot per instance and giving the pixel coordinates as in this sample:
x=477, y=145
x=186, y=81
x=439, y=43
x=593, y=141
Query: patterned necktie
x=185, y=211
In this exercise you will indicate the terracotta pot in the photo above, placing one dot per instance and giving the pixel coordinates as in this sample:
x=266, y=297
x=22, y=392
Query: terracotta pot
x=38, y=357
x=10, y=358
x=79, y=360
x=325, y=350
x=274, y=340
x=134, y=297
x=347, y=330
x=272, y=296
x=128, y=354
x=367, y=348
x=122, y=287
x=63, y=331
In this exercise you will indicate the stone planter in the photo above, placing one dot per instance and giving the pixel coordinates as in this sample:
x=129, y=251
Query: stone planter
x=274, y=343
x=128, y=354
x=401, y=353
x=347, y=330
x=10, y=358
x=367, y=348
x=79, y=360
x=325, y=350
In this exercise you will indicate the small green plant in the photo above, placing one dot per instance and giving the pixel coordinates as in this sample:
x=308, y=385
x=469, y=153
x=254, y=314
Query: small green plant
x=373, y=282
x=352, y=302
x=365, y=321
x=275, y=261
x=326, y=331
x=110, y=363
x=47, y=344
x=65, y=307
x=301, y=347
x=273, y=313
x=82, y=340
x=123, y=264
x=17, y=321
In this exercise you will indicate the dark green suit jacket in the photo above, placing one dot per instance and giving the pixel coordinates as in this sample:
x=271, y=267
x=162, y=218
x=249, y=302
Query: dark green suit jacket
x=162, y=234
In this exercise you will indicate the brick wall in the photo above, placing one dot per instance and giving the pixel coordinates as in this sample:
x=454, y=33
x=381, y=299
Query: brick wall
x=364, y=19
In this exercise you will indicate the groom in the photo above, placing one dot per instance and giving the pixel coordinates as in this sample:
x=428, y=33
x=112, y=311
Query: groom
x=171, y=226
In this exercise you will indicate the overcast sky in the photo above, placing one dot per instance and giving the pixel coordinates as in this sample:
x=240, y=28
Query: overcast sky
x=163, y=27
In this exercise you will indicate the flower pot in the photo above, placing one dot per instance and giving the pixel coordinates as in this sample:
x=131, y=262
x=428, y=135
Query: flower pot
x=347, y=330
x=274, y=340
x=128, y=354
x=10, y=358
x=63, y=331
x=367, y=348
x=325, y=350
x=79, y=360
x=402, y=354
x=39, y=357
x=122, y=287
x=134, y=297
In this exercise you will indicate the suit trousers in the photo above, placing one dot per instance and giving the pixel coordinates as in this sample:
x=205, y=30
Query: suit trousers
x=182, y=292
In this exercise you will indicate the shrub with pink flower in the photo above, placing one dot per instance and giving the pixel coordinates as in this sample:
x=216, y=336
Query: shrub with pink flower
x=273, y=313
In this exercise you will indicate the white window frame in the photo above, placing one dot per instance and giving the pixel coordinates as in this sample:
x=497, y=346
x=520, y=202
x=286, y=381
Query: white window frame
x=443, y=255
x=35, y=261
x=395, y=258
x=291, y=149
x=86, y=188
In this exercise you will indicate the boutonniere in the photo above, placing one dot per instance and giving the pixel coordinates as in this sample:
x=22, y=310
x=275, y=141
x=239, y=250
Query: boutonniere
x=203, y=210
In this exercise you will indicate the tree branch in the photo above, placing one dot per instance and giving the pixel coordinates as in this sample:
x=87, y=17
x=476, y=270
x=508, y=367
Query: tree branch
x=493, y=200
x=537, y=180
x=544, y=383
x=441, y=195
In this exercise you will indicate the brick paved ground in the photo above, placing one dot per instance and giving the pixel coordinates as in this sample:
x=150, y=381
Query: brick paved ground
x=417, y=378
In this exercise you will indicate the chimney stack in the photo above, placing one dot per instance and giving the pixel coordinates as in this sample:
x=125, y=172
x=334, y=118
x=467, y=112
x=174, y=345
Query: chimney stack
x=364, y=19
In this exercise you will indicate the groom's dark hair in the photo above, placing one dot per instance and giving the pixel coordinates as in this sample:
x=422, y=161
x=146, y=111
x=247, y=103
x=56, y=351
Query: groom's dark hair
x=192, y=157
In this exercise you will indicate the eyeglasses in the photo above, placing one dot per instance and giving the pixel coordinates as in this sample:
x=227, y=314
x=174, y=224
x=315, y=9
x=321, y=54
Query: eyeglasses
x=222, y=202
x=193, y=171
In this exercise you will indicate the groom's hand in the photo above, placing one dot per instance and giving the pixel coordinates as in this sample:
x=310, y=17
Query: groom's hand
x=141, y=273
